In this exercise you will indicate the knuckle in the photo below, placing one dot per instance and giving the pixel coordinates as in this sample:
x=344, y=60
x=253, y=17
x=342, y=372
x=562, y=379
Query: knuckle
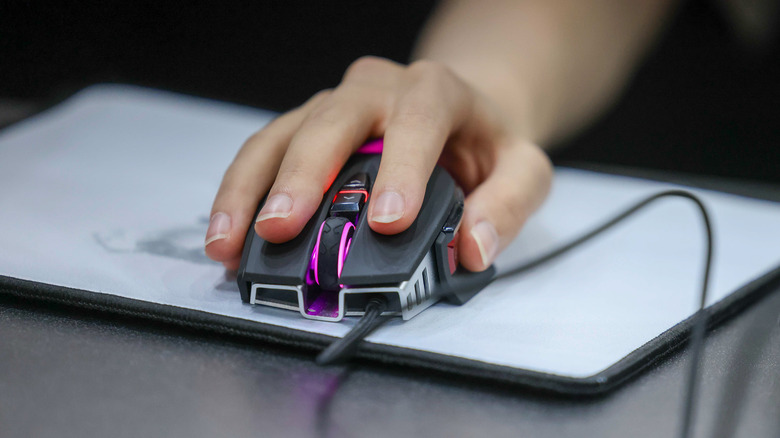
x=331, y=119
x=515, y=209
x=420, y=116
x=404, y=171
x=256, y=139
x=325, y=116
x=291, y=179
x=440, y=84
x=263, y=142
x=329, y=126
x=363, y=67
x=235, y=183
x=299, y=175
x=319, y=97
x=430, y=70
x=334, y=121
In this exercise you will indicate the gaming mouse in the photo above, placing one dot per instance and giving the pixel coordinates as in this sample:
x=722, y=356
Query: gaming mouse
x=338, y=263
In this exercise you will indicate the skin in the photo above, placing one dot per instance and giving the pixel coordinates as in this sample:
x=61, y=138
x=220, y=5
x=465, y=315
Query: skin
x=472, y=102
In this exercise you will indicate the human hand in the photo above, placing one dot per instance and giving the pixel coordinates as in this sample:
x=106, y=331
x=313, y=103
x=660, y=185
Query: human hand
x=427, y=115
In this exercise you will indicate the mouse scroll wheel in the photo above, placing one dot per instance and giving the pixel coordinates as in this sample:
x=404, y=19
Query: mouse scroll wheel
x=351, y=197
x=331, y=249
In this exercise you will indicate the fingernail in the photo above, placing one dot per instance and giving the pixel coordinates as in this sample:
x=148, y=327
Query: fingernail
x=219, y=228
x=484, y=233
x=278, y=205
x=388, y=207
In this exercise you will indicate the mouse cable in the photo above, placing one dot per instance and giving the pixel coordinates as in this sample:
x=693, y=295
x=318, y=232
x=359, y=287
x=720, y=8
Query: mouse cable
x=343, y=348
x=699, y=319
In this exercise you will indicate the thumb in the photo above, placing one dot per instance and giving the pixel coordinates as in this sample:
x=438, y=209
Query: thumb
x=497, y=209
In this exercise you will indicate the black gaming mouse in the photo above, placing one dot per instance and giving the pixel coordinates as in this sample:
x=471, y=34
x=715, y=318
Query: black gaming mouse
x=337, y=263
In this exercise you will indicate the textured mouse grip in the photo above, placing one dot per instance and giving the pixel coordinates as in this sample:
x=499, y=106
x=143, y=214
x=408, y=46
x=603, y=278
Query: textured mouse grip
x=333, y=241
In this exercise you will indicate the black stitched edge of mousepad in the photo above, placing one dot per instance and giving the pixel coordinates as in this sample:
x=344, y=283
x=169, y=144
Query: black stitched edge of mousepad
x=641, y=359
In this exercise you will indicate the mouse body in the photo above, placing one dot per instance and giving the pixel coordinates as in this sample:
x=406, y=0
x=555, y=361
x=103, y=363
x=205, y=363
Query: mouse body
x=332, y=268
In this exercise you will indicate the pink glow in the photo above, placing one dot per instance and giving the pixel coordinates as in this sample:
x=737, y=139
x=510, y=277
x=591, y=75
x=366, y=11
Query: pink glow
x=318, y=305
x=372, y=147
x=349, y=243
x=314, y=256
x=346, y=240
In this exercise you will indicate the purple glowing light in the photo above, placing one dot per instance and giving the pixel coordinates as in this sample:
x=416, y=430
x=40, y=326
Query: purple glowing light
x=372, y=147
x=314, y=255
x=349, y=243
x=318, y=305
x=346, y=240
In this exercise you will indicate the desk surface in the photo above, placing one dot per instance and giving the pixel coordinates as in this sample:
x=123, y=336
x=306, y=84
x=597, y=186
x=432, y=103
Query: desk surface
x=66, y=372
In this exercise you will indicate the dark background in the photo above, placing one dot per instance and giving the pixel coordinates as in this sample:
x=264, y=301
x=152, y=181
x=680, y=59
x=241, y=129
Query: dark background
x=702, y=102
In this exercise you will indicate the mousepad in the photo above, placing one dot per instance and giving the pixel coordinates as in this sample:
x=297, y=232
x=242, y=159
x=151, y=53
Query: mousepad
x=106, y=200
